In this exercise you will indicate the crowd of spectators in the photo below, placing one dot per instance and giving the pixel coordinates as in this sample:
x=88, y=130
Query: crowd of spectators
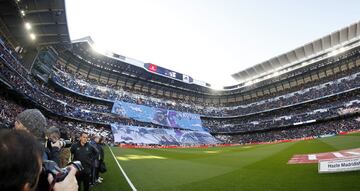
x=313, y=111
x=72, y=100
x=69, y=129
x=286, y=117
x=46, y=97
x=337, y=84
x=59, y=103
x=316, y=130
x=285, y=109
x=13, y=71
x=93, y=88
x=9, y=109
x=8, y=112
x=315, y=92
x=78, y=83
x=54, y=103
x=89, y=111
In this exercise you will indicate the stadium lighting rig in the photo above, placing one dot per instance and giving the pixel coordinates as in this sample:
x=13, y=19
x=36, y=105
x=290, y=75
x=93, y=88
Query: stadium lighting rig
x=28, y=27
x=27, y=24
x=22, y=12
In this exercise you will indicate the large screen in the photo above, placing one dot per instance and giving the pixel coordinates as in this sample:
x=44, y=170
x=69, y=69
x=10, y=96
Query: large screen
x=145, y=135
x=169, y=118
x=168, y=73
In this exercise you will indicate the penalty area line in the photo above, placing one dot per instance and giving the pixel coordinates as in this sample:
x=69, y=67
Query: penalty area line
x=123, y=172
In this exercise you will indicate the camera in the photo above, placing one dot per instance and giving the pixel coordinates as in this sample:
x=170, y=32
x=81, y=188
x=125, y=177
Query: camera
x=61, y=143
x=59, y=174
x=65, y=143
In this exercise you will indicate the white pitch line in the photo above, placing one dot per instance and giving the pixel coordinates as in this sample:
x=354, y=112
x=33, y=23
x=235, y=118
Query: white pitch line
x=312, y=157
x=353, y=153
x=123, y=172
x=338, y=155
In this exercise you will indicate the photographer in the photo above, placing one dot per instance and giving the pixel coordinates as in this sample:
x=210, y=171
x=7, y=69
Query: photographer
x=34, y=122
x=65, y=152
x=20, y=165
x=54, y=145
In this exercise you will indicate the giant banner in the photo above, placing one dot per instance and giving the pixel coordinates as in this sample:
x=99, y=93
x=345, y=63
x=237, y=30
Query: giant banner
x=169, y=118
x=159, y=136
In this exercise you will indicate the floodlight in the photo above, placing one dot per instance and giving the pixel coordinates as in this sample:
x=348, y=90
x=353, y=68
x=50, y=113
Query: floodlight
x=27, y=26
x=22, y=12
x=32, y=36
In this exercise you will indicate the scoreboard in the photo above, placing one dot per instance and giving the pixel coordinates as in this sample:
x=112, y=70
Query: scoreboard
x=168, y=73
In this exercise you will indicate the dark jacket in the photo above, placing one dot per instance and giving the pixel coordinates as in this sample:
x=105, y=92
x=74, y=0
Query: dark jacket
x=84, y=154
x=53, y=153
x=101, y=151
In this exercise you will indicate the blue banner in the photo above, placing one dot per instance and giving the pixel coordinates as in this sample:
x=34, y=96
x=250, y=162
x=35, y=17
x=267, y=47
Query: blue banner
x=160, y=136
x=158, y=116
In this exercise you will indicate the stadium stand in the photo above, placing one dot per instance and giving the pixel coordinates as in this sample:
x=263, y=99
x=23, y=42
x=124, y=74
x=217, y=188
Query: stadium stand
x=72, y=82
x=319, y=102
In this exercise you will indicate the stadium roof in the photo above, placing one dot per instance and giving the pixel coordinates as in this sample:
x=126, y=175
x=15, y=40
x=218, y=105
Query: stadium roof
x=300, y=54
x=41, y=22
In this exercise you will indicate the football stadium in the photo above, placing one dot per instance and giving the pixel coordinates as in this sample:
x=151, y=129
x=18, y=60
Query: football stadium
x=291, y=122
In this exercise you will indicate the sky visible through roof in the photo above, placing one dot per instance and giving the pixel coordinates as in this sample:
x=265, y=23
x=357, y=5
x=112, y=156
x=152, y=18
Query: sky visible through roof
x=207, y=39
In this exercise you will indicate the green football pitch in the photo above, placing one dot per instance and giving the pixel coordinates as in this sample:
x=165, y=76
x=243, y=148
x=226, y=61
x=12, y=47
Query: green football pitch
x=256, y=167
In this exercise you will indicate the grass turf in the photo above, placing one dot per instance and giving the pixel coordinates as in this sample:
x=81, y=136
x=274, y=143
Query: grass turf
x=113, y=178
x=260, y=167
